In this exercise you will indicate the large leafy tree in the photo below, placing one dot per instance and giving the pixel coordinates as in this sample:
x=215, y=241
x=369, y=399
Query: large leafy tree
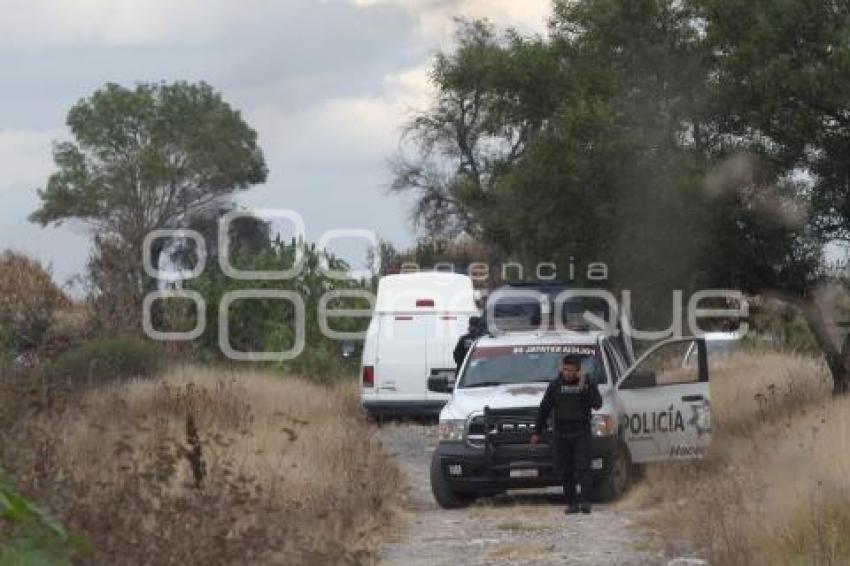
x=146, y=158
x=782, y=91
x=493, y=95
x=687, y=144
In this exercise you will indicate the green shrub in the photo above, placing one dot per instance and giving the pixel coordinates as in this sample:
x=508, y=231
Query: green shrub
x=108, y=359
x=32, y=536
x=321, y=363
x=268, y=325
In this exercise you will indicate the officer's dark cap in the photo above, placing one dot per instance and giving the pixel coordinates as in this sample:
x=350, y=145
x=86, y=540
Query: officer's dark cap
x=572, y=360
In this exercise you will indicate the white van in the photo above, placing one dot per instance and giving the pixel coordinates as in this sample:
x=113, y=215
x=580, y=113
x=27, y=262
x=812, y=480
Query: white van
x=417, y=321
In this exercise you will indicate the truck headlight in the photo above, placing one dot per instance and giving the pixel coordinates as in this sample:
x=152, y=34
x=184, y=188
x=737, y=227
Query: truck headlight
x=451, y=430
x=603, y=425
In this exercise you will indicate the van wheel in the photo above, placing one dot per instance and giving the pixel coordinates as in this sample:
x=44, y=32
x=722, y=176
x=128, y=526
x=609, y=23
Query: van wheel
x=374, y=418
x=617, y=477
x=445, y=496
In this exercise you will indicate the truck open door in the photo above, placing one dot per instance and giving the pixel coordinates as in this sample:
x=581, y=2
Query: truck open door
x=666, y=407
x=624, y=336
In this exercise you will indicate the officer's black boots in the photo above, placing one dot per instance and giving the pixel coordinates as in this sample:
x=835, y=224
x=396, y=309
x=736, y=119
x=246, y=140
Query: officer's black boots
x=571, y=509
x=585, y=508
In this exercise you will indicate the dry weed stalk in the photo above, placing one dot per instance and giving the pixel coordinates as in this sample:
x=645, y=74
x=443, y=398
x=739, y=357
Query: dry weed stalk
x=287, y=468
x=776, y=490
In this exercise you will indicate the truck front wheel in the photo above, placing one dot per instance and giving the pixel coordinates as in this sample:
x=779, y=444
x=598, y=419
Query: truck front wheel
x=446, y=497
x=617, y=476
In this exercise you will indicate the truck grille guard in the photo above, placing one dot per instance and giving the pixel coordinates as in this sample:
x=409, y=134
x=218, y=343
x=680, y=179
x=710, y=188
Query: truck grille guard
x=503, y=427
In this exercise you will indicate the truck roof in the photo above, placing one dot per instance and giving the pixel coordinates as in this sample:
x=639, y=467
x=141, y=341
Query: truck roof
x=531, y=338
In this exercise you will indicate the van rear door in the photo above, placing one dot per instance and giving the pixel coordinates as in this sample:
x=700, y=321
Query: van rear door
x=401, y=363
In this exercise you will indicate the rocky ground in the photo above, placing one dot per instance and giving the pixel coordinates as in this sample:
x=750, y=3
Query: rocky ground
x=519, y=527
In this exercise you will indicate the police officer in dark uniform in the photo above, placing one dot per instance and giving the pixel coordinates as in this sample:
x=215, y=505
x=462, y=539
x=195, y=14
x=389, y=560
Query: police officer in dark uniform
x=464, y=343
x=572, y=395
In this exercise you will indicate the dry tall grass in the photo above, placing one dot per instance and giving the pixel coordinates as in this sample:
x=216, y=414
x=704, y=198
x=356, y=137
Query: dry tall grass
x=758, y=386
x=204, y=467
x=29, y=300
x=776, y=489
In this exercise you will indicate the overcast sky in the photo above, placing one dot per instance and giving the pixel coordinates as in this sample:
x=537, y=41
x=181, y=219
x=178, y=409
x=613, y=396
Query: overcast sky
x=326, y=83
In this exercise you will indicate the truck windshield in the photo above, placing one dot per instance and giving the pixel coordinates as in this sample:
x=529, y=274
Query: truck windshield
x=500, y=365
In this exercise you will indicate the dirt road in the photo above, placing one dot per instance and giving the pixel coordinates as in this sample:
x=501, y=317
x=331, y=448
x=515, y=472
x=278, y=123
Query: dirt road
x=523, y=527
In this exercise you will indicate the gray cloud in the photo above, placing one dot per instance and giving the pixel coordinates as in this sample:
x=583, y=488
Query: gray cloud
x=327, y=84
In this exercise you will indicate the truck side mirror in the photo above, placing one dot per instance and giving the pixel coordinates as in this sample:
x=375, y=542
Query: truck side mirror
x=348, y=349
x=441, y=381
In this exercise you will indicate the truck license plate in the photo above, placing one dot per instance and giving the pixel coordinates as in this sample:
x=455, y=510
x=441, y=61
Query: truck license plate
x=524, y=473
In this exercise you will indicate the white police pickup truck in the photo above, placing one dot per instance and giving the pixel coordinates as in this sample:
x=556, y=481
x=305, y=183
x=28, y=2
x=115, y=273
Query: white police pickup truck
x=652, y=411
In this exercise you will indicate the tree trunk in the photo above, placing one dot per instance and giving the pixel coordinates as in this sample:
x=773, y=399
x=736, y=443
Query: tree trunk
x=837, y=359
x=841, y=372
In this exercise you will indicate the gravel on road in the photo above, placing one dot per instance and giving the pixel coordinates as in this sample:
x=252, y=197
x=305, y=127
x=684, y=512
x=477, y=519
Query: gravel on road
x=527, y=527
